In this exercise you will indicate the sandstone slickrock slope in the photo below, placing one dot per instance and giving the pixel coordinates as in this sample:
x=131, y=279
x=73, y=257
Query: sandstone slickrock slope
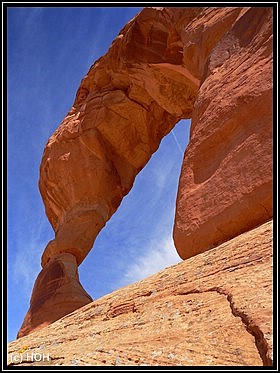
x=212, y=309
x=213, y=65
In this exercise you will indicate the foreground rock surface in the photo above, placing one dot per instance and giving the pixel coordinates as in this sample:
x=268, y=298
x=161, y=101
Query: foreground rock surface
x=212, y=309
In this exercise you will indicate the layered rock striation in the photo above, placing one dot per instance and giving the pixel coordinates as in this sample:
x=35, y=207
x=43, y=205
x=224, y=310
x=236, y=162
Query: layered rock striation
x=57, y=292
x=213, y=309
x=225, y=185
x=209, y=64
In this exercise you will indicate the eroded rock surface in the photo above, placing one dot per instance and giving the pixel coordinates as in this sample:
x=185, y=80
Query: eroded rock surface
x=213, y=65
x=57, y=292
x=209, y=64
x=212, y=309
x=226, y=180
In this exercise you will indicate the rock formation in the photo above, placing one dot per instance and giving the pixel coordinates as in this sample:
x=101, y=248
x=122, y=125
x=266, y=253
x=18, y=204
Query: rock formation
x=57, y=292
x=213, y=309
x=209, y=64
x=226, y=179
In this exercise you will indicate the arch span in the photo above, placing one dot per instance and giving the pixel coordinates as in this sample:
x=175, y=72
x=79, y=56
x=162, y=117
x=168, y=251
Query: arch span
x=209, y=64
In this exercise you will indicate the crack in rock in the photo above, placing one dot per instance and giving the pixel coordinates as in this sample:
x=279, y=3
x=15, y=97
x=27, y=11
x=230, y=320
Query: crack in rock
x=250, y=325
x=254, y=329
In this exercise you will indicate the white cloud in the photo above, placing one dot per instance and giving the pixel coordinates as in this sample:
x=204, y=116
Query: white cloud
x=25, y=265
x=25, y=268
x=162, y=174
x=158, y=255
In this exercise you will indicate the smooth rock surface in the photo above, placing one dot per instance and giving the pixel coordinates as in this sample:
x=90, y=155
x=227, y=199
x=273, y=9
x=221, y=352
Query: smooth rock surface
x=213, y=309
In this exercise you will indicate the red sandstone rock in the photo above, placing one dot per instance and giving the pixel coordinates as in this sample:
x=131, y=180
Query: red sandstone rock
x=213, y=309
x=56, y=293
x=128, y=101
x=226, y=179
x=209, y=64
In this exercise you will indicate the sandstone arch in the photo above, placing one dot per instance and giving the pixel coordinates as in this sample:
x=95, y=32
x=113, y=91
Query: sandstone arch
x=209, y=64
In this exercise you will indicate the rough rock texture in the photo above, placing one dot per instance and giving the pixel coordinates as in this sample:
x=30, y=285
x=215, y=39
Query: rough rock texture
x=212, y=309
x=226, y=180
x=209, y=64
x=57, y=292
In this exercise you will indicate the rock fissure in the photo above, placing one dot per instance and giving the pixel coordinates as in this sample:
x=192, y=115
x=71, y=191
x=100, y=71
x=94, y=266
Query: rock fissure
x=129, y=100
x=164, y=323
x=254, y=329
x=250, y=326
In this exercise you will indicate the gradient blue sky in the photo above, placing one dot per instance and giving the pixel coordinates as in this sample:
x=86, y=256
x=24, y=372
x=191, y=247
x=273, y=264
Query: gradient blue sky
x=49, y=52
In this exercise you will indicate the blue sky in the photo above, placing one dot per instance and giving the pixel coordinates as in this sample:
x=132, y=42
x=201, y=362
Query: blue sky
x=49, y=52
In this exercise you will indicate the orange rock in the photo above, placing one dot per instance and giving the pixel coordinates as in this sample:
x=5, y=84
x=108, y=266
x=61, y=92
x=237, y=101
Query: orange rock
x=57, y=292
x=213, y=309
x=209, y=64
x=226, y=179
x=129, y=100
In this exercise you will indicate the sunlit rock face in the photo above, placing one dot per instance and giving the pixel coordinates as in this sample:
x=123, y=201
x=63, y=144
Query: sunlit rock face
x=182, y=316
x=226, y=179
x=209, y=64
x=57, y=292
